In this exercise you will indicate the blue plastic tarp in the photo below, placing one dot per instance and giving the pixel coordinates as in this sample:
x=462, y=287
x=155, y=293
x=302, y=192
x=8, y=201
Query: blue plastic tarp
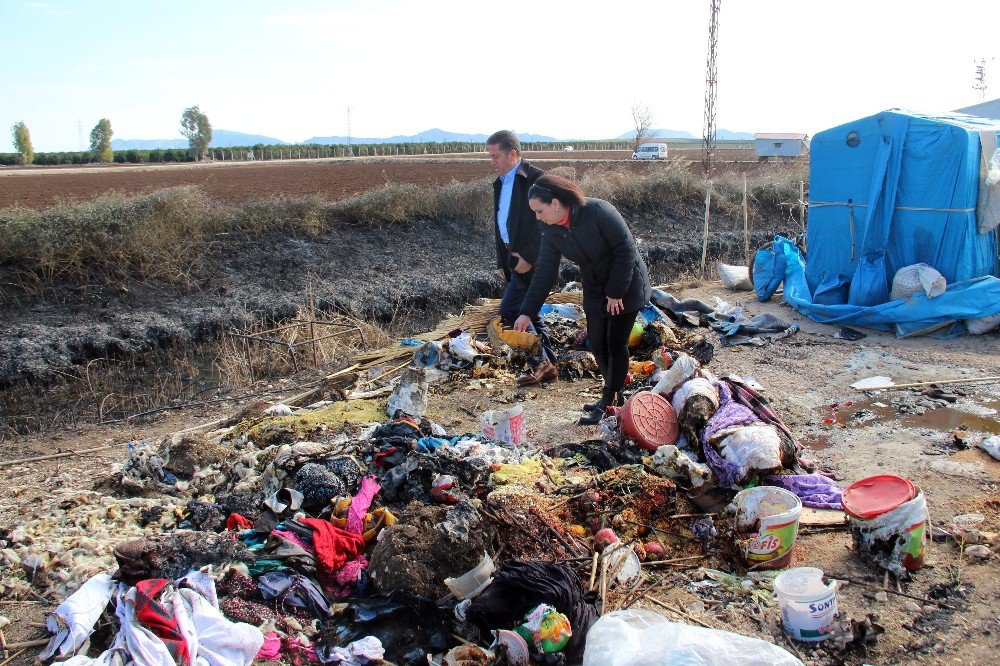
x=943, y=315
x=892, y=190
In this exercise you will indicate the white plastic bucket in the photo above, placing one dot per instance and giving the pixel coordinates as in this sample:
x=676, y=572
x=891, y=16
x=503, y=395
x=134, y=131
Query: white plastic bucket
x=504, y=425
x=773, y=513
x=808, y=607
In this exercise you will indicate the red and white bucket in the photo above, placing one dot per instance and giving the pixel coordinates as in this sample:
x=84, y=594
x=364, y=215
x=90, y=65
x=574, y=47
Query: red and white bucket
x=504, y=425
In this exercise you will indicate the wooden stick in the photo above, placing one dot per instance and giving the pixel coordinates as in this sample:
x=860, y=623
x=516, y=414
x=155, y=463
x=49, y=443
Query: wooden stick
x=13, y=656
x=342, y=372
x=969, y=380
x=887, y=590
x=746, y=225
x=674, y=560
x=672, y=609
x=691, y=515
x=802, y=205
x=593, y=572
x=604, y=584
x=704, y=238
x=28, y=644
x=53, y=456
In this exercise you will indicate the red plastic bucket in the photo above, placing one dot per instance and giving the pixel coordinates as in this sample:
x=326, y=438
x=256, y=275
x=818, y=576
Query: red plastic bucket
x=648, y=418
x=876, y=495
x=888, y=518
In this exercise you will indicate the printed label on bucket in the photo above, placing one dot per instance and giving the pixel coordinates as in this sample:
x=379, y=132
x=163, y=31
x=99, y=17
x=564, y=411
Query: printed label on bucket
x=914, y=556
x=773, y=542
x=809, y=621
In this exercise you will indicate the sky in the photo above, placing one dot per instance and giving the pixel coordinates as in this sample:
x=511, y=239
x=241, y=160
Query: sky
x=567, y=69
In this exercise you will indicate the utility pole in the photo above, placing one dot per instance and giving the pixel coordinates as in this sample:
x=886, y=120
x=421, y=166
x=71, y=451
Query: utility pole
x=711, y=89
x=79, y=135
x=979, y=84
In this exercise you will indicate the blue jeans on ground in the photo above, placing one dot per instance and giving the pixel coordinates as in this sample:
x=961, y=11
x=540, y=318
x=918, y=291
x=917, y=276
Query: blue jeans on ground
x=510, y=309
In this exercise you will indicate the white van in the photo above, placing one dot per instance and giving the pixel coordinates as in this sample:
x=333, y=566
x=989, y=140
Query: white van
x=651, y=151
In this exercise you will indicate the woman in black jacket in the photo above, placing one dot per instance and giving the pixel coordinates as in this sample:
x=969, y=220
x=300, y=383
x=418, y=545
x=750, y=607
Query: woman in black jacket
x=591, y=233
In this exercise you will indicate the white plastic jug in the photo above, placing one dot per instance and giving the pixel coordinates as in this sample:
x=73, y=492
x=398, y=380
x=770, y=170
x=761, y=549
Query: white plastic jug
x=808, y=606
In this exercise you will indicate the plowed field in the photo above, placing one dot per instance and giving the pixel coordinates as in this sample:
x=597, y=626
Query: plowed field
x=236, y=183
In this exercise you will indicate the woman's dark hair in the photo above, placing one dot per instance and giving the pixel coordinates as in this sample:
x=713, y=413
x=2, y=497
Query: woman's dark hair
x=549, y=187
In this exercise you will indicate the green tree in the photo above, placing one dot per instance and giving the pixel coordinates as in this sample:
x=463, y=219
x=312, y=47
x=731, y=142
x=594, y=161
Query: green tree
x=100, y=141
x=22, y=142
x=197, y=130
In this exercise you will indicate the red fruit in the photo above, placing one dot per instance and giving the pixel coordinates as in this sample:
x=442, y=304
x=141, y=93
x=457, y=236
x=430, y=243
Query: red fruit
x=604, y=538
x=654, y=550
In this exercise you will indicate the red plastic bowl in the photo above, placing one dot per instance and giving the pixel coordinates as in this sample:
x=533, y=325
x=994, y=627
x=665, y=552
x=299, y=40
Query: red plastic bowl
x=876, y=495
x=648, y=418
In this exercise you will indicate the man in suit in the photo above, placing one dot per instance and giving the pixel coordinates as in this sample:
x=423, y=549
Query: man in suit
x=517, y=239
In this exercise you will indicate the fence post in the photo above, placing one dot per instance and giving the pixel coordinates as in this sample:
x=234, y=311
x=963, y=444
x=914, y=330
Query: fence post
x=746, y=225
x=704, y=238
x=802, y=205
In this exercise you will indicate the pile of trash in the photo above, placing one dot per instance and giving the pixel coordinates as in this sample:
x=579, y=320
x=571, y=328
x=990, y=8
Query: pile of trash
x=359, y=531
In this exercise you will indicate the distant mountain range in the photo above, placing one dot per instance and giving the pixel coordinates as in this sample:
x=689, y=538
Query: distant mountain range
x=431, y=135
x=225, y=138
x=721, y=135
x=220, y=139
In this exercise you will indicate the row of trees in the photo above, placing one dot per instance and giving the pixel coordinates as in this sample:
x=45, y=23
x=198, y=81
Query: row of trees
x=194, y=126
x=197, y=129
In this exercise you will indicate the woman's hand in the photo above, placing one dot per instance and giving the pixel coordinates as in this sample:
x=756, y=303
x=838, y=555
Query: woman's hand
x=615, y=305
x=522, y=323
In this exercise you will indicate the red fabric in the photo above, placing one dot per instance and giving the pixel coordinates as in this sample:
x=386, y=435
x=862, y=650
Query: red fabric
x=377, y=460
x=154, y=616
x=565, y=221
x=237, y=522
x=334, y=547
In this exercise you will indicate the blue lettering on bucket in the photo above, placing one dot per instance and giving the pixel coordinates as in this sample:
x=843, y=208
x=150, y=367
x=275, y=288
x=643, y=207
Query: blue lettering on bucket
x=821, y=608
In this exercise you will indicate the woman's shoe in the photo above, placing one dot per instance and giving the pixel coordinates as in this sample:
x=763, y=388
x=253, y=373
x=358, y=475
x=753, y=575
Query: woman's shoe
x=603, y=404
x=592, y=417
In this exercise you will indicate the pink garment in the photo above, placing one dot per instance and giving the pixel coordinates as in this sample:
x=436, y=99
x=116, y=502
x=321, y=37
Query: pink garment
x=296, y=539
x=361, y=503
x=271, y=649
x=298, y=654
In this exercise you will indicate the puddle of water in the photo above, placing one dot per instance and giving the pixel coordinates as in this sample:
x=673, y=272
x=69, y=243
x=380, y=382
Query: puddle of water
x=816, y=442
x=867, y=412
x=949, y=418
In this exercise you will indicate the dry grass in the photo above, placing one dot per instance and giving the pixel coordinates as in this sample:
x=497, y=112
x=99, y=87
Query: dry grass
x=314, y=338
x=164, y=234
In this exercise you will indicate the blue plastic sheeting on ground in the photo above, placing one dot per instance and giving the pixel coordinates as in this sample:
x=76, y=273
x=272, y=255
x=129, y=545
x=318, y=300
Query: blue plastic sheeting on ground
x=892, y=190
x=943, y=315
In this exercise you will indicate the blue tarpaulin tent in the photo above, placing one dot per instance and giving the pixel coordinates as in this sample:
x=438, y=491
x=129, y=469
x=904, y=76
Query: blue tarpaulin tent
x=889, y=191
